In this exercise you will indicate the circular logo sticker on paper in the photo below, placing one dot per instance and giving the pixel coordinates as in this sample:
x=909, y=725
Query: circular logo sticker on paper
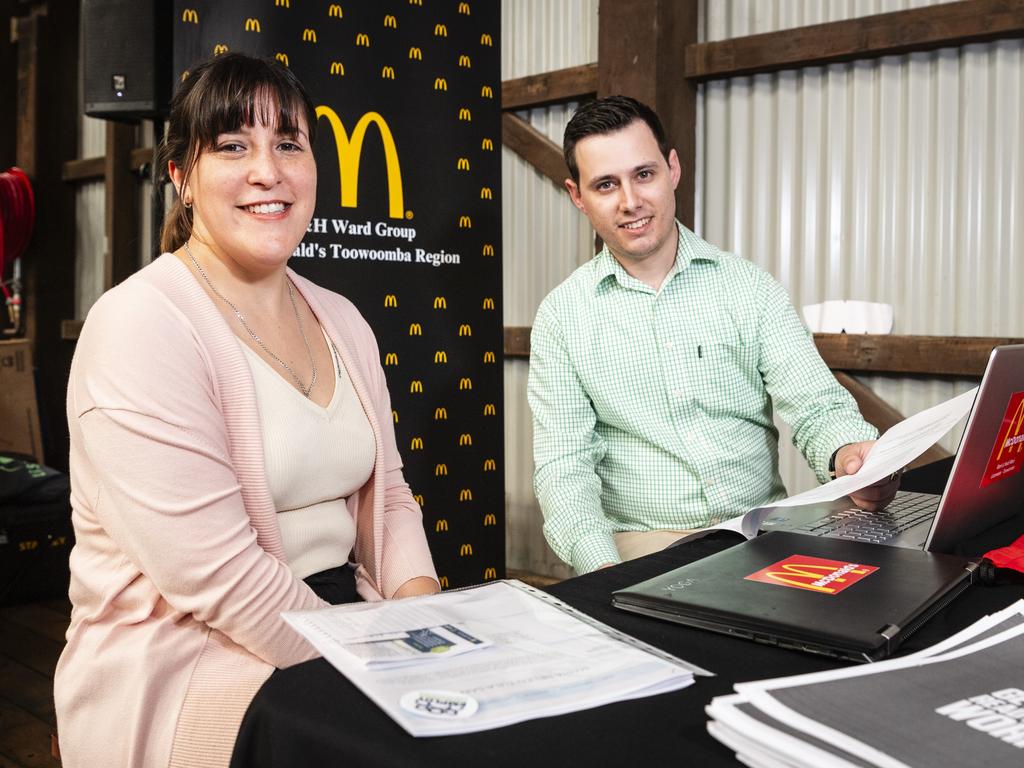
x=440, y=705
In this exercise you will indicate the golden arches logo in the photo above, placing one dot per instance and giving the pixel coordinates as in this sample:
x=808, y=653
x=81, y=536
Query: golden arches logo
x=440, y=30
x=416, y=387
x=219, y=48
x=488, y=249
x=441, y=414
x=490, y=410
x=362, y=40
x=390, y=359
x=252, y=25
x=283, y=3
x=464, y=9
x=490, y=465
x=465, y=222
x=440, y=470
x=490, y=573
x=465, y=330
x=465, y=495
x=418, y=498
x=282, y=57
x=486, y=92
x=190, y=16
x=487, y=145
x=337, y=68
x=441, y=526
x=335, y=10
x=440, y=356
x=416, y=53
x=440, y=84
x=394, y=416
x=416, y=444
x=465, y=439
x=308, y=35
x=391, y=300
x=489, y=357
x=415, y=329
x=465, y=114
x=486, y=193
x=387, y=73
x=490, y=519
x=349, y=151
x=391, y=21
x=441, y=580
x=465, y=62
x=416, y=2
x=815, y=574
x=465, y=383
x=462, y=164
x=440, y=302
x=488, y=303
x=1014, y=425
x=486, y=39
x=465, y=550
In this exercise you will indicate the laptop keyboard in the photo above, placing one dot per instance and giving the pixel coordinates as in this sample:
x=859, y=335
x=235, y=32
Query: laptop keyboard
x=905, y=511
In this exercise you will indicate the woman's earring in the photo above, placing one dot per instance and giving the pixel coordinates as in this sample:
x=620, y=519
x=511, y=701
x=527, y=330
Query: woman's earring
x=187, y=203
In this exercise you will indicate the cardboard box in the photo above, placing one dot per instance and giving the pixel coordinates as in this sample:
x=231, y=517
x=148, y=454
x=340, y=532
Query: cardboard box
x=19, y=410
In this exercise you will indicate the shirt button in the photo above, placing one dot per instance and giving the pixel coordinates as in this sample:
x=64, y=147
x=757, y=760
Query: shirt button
x=669, y=345
x=710, y=481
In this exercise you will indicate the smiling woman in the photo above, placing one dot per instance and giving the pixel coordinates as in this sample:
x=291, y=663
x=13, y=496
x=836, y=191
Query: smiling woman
x=232, y=449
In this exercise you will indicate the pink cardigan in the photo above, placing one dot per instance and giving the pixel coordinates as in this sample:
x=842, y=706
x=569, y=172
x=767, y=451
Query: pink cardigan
x=178, y=575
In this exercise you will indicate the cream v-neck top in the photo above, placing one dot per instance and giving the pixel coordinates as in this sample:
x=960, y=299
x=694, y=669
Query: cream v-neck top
x=315, y=458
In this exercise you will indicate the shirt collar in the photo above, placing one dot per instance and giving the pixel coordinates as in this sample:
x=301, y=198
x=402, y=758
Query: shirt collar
x=689, y=248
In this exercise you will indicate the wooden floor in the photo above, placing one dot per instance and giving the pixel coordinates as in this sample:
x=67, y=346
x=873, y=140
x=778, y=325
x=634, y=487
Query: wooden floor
x=31, y=639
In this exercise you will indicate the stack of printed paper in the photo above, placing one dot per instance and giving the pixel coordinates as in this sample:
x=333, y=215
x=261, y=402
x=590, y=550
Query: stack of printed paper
x=486, y=657
x=958, y=703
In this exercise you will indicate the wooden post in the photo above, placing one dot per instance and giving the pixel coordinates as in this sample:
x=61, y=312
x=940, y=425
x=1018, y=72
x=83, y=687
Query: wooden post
x=121, y=201
x=47, y=121
x=641, y=48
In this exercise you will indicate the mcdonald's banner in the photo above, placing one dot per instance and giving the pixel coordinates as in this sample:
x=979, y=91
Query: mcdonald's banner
x=407, y=224
x=816, y=574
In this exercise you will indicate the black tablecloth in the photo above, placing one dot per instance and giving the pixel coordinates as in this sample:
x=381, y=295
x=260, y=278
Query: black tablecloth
x=311, y=715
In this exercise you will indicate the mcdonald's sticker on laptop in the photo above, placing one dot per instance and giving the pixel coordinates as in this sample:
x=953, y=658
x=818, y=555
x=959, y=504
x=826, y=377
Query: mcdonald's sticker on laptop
x=1008, y=453
x=829, y=577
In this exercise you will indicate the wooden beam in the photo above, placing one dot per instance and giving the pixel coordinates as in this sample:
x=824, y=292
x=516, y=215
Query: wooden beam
x=534, y=147
x=517, y=341
x=94, y=168
x=560, y=85
x=884, y=34
x=910, y=355
x=25, y=32
x=882, y=416
x=121, y=202
x=639, y=45
x=939, y=356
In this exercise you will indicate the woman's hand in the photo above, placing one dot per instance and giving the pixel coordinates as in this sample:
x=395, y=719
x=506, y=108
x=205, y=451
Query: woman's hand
x=421, y=585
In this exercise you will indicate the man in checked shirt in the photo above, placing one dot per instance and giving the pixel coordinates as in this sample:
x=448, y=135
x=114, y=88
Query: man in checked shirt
x=655, y=367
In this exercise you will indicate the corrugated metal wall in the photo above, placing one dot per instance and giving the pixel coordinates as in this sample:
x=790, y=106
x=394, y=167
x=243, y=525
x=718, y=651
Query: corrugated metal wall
x=896, y=180
x=544, y=239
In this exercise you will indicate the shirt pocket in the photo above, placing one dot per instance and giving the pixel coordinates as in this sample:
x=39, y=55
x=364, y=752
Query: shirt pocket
x=723, y=379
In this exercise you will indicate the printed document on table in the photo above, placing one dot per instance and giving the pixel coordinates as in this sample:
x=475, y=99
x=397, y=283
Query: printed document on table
x=900, y=445
x=544, y=658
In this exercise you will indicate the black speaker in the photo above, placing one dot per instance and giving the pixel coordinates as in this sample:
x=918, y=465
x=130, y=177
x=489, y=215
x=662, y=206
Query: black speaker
x=126, y=58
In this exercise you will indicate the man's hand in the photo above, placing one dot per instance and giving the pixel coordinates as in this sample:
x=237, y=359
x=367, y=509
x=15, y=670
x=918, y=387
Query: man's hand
x=849, y=460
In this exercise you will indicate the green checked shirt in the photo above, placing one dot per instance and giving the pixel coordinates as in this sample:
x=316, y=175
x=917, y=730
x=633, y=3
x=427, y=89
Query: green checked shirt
x=653, y=409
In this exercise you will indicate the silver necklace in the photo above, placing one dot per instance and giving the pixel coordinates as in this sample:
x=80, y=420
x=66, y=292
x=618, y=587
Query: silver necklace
x=298, y=318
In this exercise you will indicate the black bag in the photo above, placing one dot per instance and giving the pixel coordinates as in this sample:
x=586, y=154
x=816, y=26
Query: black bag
x=35, y=531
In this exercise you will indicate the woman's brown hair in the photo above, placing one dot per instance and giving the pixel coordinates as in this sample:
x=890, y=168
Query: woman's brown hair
x=220, y=96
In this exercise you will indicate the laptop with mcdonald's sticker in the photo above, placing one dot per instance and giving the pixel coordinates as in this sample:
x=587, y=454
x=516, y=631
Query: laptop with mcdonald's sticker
x=846, y=599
